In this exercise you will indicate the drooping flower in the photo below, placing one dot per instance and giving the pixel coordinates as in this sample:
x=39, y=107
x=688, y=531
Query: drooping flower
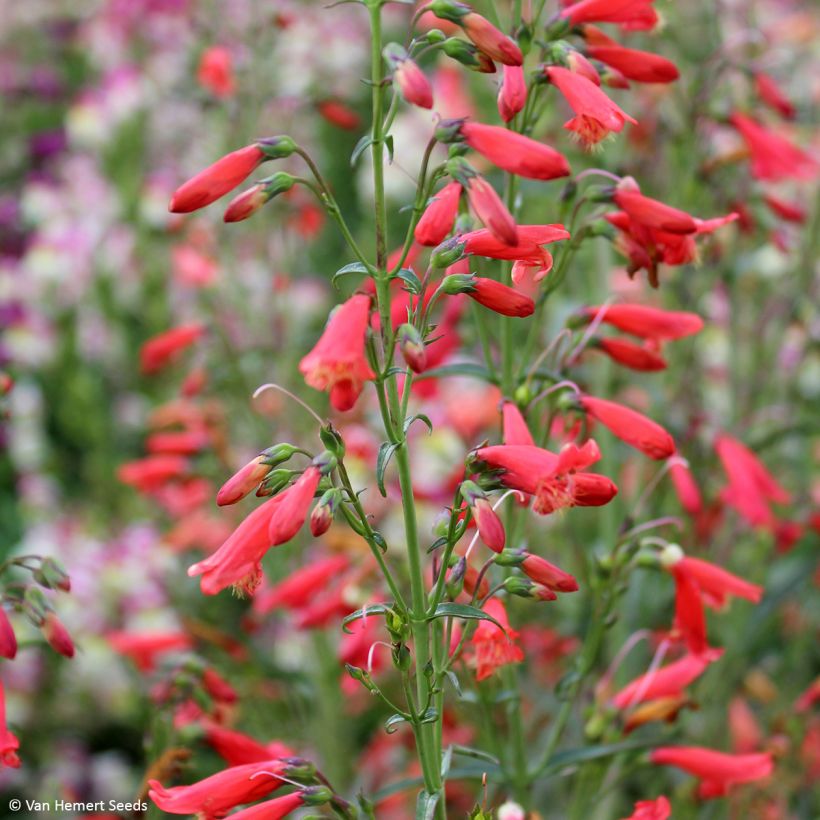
x=150, y=473
x=645, y=358
x=515, y=429
x=630, y=426
x=771, y=94
x=491, y=646
x=439, y=216
x=650, y=212
x=751, y=489
x=512, y=95
x=717, y=771
x=790, y=211
x=9, y=744
x=300, y=586
x=640, y=66
x=543, y=572
x=647, y=322
x=773, y=156
x=632, y=15
x=243, y=481
x=216, y=795
x=57, y=636
x=292, y=510
x=339, y=114
x=494, y=43
x=8, y=641
x=160, y=350
x=659, y=809
x=690, y=619
x=514, y=152
x=596, y=115
x=337, y=362
x=410, y=79
x=553, y=480
x=498, y=297
x=715, y=583
x=237, y=748
x=143, y=648
x=490, y=209
x=215, y=72
x=281, y=807
x=686, y=488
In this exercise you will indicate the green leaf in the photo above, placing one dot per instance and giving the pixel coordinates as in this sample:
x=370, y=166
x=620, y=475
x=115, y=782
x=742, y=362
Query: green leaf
x=391, y=725
x=430, y=715
x=478, y=754
x=472, y=369
x=418, y=417
x=385, y=452
x=360, y=148
x=453, y=678
x=353, y=267
x=388, y=141
x=364, y=612
x=446, y=760
x=426, y=806
x=464, y=611
x=412, y=282
x=571, y=757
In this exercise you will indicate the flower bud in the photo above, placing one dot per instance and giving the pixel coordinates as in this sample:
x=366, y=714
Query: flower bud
x=322, y=516
x=401, y=656
x=57, y=635
x=332, y=440
x=250, y=201
x=277, y=147
x=275, y=481
x=326, y=462
x=524, y=588
x=435, y=36
x=412, y=348
x=8, y=640
x=455, y=578
x=279, y=454
x=52, y=575
x=670, y=555
x=243, y=481
x=449, y=10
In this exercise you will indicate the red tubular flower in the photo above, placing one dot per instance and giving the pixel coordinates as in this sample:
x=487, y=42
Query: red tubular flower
x=690, y=620
x=630, y=426
x=773, y=156
x=596, y=115
x=651, y=213
x=337, y=362
x=161, y=349
x=216, y=795
x=647, y=322
x=686, y=489
x=177, y=442
x=552, y=479
x=512, y=96
x=631, y=355
x=543, y=572
x=489, y=525
x=144, y=647
x=238, y=749
x=243, y=481
x=790, y=211
x=281, y=807
x=494, y=43
x=57, y=635
x=8, y=742
x=299, y=587
x=8, y=640
x=743, y=727
x=771, y=94
x=151, y=473
x=215, y=72
x=493, y=647
x=414, y=85
x=531, y=238
x=515, y=427
x=339, y=114
x=500, y=298
x=491, y=210
x=236, y=562
x=751, y=488
x=634, y=15
x=718, y=771
x=640, y=66
x=716, y=583
x=440, y=215
x=217, y=180
x=667, y=682
x=514, y=152
x=291, y=512
x=658, y=809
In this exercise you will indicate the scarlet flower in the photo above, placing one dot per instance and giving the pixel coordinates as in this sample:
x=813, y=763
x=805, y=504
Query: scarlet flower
x=178, y=442
x=237, y=560
x=337, y=362
x=743, y=727
x=690, y=620
x=413, y=84
x=514, y=152
x=493, y=647
x=640, y=66
x=647, y=322
x=630, y=426
x=489, y=524
x=491, y=210
x=512, y=96
x=238, y=749
x=790, y=211
x=552, y=479
x=543, y=572
x=651, y=213
x=502, y=299
x=339, y=114
x=771, y=94
x=217, y=180
x=633, y=15
x=8, y=640
x=666, y=682
x=773, y=156
x=161, y=349
x=717, y=771
x=494, y=43
x=291, y=512
x=716, y=583
x=658, y=809
x=529, y=248
x=300, y=586
x=149, y=474
x=57, y=635
x=439, y=216
x=751, y=488
x=686, y=489
x=596, y=115
x=8, y=741
x=216, y=795
x=515, y=427
x=215, y=72
x=243, y=481
x=635, y=357
x=144, y=647
x=281, y=807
